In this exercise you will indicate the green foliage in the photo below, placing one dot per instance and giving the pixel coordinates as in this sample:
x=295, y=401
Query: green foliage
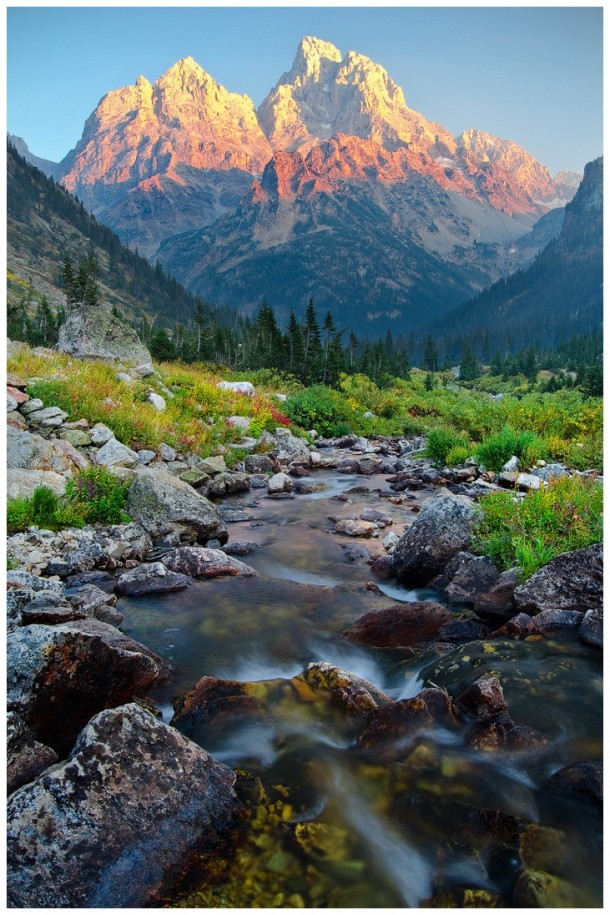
x=94, y=496
x=44, y=509
x=529, y=531
x=99, y=496
x=497, y=449
x=318, y=408
x=441, y=442
x=457, y=455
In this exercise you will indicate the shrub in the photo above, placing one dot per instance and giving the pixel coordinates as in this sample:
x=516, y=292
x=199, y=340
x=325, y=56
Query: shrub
x=99, y=496
x=457, y=455
x=496, y=450
x=441, y=442
x=317, y=408
x=530, y=531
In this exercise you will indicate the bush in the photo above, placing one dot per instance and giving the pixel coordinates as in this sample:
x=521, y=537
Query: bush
x=496, y=450
x=99, y=496
x=528, y=532
x=441, y=442
x=457, y=455
x=318, y=408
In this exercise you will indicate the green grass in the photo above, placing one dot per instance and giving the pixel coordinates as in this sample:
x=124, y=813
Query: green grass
x=93, y=496
x=529, y=531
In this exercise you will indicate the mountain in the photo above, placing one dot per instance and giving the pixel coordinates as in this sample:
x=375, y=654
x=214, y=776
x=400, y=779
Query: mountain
x=242, y=204
x=45, y=223
x=559, y=295
x=44, y=165
x=369, y=234
x=176, y=153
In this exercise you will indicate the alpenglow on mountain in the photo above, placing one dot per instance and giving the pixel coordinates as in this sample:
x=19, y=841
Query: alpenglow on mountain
x=335, y=188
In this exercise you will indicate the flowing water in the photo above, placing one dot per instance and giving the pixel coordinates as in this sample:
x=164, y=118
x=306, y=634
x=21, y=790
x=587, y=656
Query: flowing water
x=330, y=825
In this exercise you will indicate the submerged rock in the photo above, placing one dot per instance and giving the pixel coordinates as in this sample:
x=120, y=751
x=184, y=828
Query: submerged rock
x=151, y=578
x=122, y=822
x=201, y=562
x=585, y=778
x=401, y=626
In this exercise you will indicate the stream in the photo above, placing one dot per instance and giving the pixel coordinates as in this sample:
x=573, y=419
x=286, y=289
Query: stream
x=329, y=825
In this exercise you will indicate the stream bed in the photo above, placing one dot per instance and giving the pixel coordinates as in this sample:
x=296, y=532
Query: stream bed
x=427, y=820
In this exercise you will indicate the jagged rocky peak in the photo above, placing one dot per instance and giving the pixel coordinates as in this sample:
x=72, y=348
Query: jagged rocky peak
x=509, y=176
x=324, y=94
x=185, y=118
x=313, y=62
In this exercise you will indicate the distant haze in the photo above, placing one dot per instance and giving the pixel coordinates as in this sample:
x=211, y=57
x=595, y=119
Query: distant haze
x=533, y=75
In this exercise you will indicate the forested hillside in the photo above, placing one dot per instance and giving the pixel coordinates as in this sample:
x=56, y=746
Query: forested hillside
x=46, y=223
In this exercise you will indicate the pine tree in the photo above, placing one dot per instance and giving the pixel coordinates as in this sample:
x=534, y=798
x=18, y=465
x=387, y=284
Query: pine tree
x=469, y=367
x=312, y=346
x=294, y=342
x=430, y=362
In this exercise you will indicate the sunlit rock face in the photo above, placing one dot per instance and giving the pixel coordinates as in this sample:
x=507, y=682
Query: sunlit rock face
x=177, y=153
x=324, y=94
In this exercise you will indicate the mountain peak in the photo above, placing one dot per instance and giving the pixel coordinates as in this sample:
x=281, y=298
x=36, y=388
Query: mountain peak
x=312, y=53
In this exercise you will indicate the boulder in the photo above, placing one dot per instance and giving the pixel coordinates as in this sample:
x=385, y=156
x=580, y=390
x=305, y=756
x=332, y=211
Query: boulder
x=100, y=434
x=441, y=529
x=78, y=459
x=586, y=778
x=59, y=676
x=115, y=454
x=238, y=387
x=123, y=822
x=475, y=577
x=241, y=423
x=199, y=562
x=349, y=692
x=571, y=581
x=93, y=332
x=47, y=416
x=290, y=449
x=162, y=504
x=156, y=400
x=28, y=451
x=95, y=603
x=390, y=728
x=150, y=578
x=498, y=601
x=484, y=699
x=260, y=463
x=355, y=528
x=26, y=758
x=22, y=483
x=401, y=626
x=279, y=482
x=592, y=628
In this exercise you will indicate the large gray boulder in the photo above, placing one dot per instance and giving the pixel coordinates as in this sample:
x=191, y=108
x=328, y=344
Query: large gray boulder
x=163, y=504
x=571, y=581
x=26, y=758
x=122, y=823
x=93, y=332
x=442, y=529
x=290, y=449
x=21, y=484
x=27, y=451
x=59, y=676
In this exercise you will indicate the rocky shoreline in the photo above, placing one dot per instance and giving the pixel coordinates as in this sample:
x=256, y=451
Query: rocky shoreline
x=88, y=756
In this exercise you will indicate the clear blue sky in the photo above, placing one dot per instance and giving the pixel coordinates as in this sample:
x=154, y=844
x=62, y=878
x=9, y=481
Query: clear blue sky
x=533, y=75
